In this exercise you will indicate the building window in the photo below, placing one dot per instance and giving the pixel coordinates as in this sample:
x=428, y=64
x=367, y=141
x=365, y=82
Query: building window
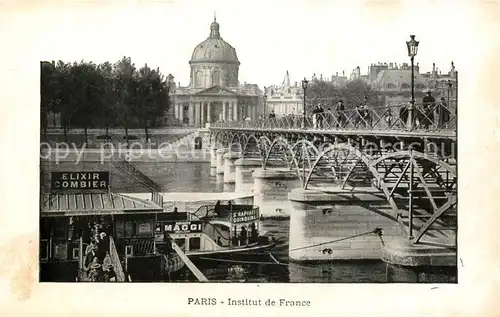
x=181, y=243
x=194, y=244
x=199, y=79
x=405, y=86
x=419, y=86
x=215, y=78
x=390, y=86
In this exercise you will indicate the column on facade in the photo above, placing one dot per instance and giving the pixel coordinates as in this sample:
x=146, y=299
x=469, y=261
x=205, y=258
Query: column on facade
x=235, y=110
x=202, y=114
x=192, y=118
x=196, y=113
x=180, y=112
x=209, y=111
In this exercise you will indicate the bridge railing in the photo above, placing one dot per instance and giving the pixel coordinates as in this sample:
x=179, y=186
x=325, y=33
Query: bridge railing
x=421, y=117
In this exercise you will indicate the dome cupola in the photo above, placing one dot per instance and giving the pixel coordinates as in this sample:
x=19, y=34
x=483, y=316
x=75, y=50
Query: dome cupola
x=214, y=49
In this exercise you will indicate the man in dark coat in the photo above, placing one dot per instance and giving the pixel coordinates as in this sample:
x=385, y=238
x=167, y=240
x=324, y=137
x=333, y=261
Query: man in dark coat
x=443, y=113
x=427, y=114
x=340, y=114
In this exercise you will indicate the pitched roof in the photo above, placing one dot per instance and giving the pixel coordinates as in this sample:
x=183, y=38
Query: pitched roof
x=397, y=77
x=74, y=204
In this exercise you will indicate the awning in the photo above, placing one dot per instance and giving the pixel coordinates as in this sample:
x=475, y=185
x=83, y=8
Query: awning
x=74, y=204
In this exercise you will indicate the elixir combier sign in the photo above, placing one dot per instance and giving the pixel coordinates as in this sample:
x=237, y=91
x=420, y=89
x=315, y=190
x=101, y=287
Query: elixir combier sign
x=61, y=181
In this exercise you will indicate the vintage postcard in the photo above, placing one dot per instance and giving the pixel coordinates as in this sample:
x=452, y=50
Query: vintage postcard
x=254, y=155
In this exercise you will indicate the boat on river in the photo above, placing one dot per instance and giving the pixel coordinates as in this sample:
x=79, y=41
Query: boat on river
x=211, y=225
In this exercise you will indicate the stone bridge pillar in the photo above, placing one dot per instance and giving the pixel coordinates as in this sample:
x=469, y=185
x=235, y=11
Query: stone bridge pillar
x=243, y=177
x=229, y=168
x=220, y=160
x=271, y=188
x=213, y=157
x=321, y=216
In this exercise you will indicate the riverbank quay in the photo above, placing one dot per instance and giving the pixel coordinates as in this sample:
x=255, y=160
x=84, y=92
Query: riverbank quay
x=96, y=137
x=167, y=155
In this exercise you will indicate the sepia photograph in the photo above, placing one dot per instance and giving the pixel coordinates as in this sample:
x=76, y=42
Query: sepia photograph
x=204, y=161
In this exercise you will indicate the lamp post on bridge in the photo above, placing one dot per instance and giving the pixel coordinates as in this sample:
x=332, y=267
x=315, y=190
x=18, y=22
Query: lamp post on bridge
x=304, y=88
x=450, y=84
x=265, y=100
x=412, y=46
x=169, y=82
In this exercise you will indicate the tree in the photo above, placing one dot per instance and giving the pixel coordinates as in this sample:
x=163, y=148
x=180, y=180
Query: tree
x=352, y=94
x=88, y=95
x=124, y=71
x=151, y=94
x=47, y=93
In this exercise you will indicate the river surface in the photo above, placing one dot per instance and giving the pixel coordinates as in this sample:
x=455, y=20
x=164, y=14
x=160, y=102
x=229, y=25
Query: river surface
x=197, y=177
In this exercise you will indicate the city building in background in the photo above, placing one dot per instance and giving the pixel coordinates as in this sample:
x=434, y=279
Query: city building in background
x=214, y=92
x=393, y=81
x=285, y=98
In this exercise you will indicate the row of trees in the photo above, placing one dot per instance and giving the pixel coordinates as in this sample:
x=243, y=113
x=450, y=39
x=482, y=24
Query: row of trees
x=88, y=95
x=352, y=94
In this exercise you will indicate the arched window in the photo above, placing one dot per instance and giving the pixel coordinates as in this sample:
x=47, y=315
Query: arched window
x=198, y=143
x=390, y=86
x=405, y=86
x=199, y=79
x=215, y=78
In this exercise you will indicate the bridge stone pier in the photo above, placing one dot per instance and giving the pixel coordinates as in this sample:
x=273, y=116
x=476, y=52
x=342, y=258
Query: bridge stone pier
x=220, y=160
x=243, y=175
x=271, y=188
x=319, y=217
x=213, y=157
x=229, y=168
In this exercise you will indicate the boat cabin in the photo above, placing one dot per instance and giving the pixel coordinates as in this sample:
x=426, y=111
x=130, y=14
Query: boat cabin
x=207, y=222
x=67, y=221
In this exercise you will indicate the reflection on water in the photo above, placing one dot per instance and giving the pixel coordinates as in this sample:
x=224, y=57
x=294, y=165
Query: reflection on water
x=199, y=177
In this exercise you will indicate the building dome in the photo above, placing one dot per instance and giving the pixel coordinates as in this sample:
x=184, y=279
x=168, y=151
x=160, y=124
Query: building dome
x=214, y=49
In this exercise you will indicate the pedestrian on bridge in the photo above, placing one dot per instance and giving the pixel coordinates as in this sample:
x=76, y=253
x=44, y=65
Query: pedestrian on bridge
x=340, y=114
x=426, y=116
x=403, y=115
x=272, y=115
x=357, y=116
x=367, y=115
x=318, y=116
x=443, y=113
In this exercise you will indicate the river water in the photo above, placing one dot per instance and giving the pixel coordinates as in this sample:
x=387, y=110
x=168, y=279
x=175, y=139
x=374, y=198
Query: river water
x=196, y=177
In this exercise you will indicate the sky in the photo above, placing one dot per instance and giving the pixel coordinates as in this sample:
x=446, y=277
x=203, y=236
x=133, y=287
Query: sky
x=270, y=37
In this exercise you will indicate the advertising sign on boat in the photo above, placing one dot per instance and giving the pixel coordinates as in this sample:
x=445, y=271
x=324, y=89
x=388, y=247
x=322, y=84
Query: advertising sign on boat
x=183, y=226
x=245, y=216
x=61, y=181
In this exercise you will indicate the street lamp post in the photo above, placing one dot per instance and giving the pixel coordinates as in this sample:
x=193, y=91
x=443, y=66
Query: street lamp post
x=412, y=46
x=449, y=91
x=265, y=99
x=304, y=88
x=170, y=80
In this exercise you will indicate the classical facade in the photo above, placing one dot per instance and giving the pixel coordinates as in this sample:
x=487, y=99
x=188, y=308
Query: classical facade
x=284, y=99
x=214, y=92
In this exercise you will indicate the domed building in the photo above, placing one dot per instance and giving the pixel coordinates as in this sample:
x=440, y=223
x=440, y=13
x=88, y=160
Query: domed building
x=214, y=92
